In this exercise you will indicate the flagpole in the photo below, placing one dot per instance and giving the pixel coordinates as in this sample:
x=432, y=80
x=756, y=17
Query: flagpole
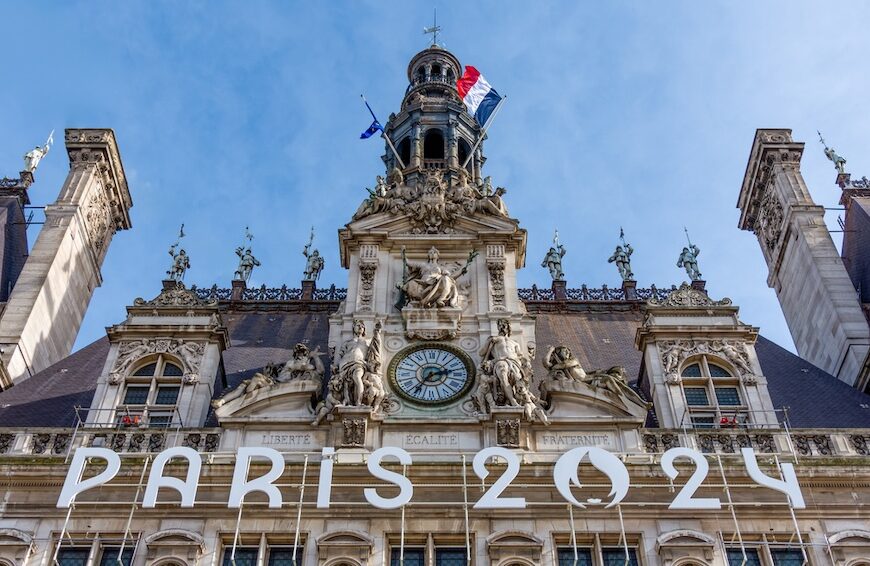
x=383, y=133
x=483, y=132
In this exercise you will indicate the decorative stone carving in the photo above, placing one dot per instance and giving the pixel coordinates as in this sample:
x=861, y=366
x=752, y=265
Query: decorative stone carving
x=304, y=363
x=175, y=297
x=563, y=367
x=189, y=353
x=430, y=284
x=98, y=218
x=686, y=296
x=674, y=352
x=258, y=381
x=769, y=222
x=40, y=443
x=353, y=431
x=765, y=444
x=356, y=374
x=859, y=442
x=156, y=442
x=6, y=442
x=366, y=286
x=505, y=375
x=61, y=443
x=507, y=432
x=496, y=283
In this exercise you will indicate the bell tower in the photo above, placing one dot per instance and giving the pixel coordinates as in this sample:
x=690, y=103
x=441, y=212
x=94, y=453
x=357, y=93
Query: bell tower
x=814, y=290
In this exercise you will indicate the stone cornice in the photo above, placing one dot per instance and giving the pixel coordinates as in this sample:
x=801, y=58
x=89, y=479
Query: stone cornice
x=770, y=147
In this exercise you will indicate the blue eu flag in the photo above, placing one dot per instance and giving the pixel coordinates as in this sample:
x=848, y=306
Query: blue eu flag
x=371, y=131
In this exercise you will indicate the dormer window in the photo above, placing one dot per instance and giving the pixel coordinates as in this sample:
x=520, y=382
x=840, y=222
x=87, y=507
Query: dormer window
x=713, y=395
x=151, y=395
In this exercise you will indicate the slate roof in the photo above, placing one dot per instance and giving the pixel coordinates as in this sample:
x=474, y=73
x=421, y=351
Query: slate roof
x=600, y=337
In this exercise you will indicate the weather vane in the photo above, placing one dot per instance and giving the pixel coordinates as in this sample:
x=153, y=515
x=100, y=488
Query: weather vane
x=434, y=29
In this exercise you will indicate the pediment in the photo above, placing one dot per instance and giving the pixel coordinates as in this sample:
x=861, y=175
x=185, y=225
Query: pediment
x=384, y=228
x=685, y=538
x=576, y=399
x=282, y=401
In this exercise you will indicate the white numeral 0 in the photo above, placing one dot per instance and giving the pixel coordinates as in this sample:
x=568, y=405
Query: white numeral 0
x=565, y=473
x=685, y=499
x=490, y=498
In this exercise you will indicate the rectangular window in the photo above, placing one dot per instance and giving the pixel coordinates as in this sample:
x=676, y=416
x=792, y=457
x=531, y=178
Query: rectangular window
x=413, y=557
x=283, y=556
x=109, y=556
x=160, y=420
x=787, y=557
x=616, y=557
x=136, y=394
x=728, y=396
x=702, y=422
x=450, y=557
x=735, y=557
x=696, y=396
x=244, y=556
x=566, y=557
x=167, y=395
x=73, y=556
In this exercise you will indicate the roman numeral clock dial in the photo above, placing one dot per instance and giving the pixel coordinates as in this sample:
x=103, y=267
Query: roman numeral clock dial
x=431, y=373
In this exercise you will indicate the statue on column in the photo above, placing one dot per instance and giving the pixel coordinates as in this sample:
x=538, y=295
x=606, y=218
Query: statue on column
x=35, y=155
x=503, y=379
x=247, y=261
x=356, y=373
x=689, y=259
x=313, y=262
x=180, y=260
x=430, y=284
x=553, y=259
x=838, y=161
x=622, y=258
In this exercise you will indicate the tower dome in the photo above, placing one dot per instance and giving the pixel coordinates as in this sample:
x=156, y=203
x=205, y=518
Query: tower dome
x=434, y=70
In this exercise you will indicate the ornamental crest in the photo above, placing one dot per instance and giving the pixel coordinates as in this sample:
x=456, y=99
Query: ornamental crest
x=188, y=353
x=686, y=296
x=177, y=296
x=674, y=352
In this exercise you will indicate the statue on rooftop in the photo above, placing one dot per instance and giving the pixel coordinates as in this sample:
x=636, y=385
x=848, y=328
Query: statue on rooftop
x=838, y=160
x=247, y=261
x=689, y=259
x=314, y=263
x=180, y=260
x=430, y=284
x=35, y=155
x=622, y=258
x=553, y=259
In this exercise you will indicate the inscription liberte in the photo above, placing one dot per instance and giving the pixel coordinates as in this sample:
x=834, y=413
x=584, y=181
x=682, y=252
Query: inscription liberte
x=287, y=439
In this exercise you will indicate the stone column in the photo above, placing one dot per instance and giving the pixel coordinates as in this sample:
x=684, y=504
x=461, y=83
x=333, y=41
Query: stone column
x=630, y=290
x=238, y=290
x=560, y=290
x=814, y=290
x=308, y=289
x=416, y=147
x=42, y=318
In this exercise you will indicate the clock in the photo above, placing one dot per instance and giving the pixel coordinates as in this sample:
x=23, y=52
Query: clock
x=431, y=374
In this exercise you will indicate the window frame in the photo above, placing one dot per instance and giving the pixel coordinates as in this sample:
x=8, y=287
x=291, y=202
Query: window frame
x=151, y=413
x=262, y=550
x=720, y=415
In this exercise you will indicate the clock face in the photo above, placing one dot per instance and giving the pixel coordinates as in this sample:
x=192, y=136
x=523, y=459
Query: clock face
x=431, y=373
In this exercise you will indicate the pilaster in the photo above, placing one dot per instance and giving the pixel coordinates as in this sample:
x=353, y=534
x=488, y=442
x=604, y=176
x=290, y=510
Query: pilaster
x=50, y=298
x=813, y=287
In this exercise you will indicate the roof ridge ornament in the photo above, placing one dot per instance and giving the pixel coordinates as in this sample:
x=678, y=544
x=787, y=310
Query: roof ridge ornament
x=174, y=296
x=687, y=296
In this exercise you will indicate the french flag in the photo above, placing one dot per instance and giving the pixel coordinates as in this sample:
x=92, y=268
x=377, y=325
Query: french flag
x=480, y=98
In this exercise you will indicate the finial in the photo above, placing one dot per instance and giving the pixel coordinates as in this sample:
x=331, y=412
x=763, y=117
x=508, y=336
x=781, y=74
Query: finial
x=838, y=161
x=35, y=155
x=434, y=29
x=180, y=260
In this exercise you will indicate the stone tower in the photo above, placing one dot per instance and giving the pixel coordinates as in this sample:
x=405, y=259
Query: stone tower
x=815, y=292
x=41, y=319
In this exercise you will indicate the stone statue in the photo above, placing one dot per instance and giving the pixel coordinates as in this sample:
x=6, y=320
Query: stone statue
x=258, y=381
x=553, y=259
x=356, y=371
x=486, y=188
x=334, y=398
x=614, y=381
x=314, y=263
x=689, y=261
x=430, y=284
x=502, y=376
x=303, y=364
x=622, y=258
x=247, y=263
x=562, y=365
x=35, y=155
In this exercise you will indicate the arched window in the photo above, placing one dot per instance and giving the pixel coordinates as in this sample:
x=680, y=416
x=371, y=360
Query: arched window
x=405, y=150
x=433, y=145
x=713, y=394
x=436, y=70
x=152, y=394
x=464, y=148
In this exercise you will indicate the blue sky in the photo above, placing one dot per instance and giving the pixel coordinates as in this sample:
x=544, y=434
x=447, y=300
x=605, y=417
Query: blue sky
x=633, y=114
